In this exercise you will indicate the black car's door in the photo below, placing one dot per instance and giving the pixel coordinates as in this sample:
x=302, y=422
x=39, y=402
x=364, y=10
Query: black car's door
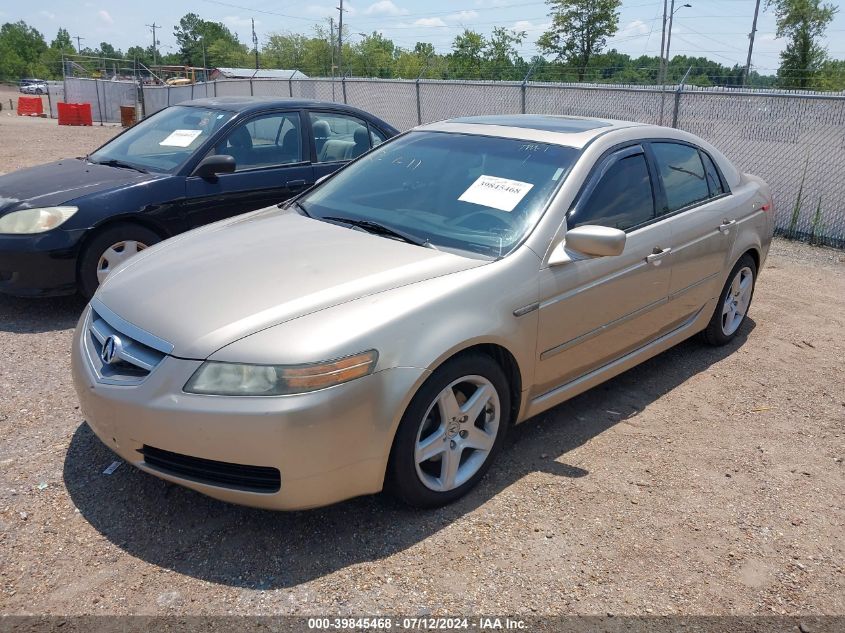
x=272, y=164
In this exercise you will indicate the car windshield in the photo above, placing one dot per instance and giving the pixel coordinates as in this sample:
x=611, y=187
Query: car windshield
x=456, y=192
x=163, y=141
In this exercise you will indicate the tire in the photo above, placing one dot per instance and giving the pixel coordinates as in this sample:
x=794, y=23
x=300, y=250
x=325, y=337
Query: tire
x=122, y=240
x=468, y=446
x=734, y=303
x=38, y=91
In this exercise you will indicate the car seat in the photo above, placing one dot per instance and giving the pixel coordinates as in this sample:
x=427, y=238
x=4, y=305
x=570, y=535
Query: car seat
x=362, y=141
x=322, y=132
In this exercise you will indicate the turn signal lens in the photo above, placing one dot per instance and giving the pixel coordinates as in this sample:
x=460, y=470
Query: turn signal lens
x=236, y=379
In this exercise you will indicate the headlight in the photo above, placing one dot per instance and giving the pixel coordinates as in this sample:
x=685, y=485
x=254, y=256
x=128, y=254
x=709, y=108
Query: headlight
x=236, y=379
x=30, y=221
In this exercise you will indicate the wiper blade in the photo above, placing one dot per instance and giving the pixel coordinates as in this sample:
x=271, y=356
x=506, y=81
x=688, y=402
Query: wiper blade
x=381, y=229
x=113, y=162
x=294, y=203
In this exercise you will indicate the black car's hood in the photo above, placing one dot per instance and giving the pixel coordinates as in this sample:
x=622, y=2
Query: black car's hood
x=56, y=183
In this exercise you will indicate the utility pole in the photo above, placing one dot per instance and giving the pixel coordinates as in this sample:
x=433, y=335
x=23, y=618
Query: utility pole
x=340, y=40
x=663, y=43
x=751, y=44
x=154, y=26
x=255, y=43
x=79, y=44
x=331, y=43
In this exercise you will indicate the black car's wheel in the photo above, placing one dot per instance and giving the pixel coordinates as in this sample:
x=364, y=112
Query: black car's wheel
x=107, y=249
x=733, y=304
x=450, y=433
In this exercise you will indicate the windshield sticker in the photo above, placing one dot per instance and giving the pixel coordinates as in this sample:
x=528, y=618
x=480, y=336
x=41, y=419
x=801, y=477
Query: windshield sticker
x=498, y=193
x=181, y=138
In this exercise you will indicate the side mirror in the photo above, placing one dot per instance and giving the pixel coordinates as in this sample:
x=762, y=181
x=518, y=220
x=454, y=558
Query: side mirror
x=590, y=240
x=213, y=165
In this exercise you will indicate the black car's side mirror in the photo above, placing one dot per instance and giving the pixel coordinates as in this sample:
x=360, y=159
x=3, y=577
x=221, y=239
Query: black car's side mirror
x=213, y=165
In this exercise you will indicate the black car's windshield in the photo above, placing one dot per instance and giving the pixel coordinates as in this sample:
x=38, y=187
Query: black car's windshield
x=163, y=141
x=453, y=191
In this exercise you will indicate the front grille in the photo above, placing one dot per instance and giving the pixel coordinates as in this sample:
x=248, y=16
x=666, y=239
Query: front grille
x=209, y=471
x=132, y=361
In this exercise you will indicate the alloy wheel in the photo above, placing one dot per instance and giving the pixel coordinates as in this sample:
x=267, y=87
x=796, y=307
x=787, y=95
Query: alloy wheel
x=457, y=433
x=737, y=299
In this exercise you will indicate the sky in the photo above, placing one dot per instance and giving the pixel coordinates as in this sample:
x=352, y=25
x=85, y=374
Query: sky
x=717, y=29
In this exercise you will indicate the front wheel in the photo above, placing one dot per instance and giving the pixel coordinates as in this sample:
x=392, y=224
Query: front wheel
x=107, y=250
x=733, y=304
x=450, y=433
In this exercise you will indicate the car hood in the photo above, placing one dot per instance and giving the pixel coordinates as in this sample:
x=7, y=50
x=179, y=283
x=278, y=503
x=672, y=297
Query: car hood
x=210, y=287
x=56, y=183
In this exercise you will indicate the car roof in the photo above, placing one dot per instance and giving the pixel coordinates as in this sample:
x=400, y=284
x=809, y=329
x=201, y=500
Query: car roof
x=258, y=104
x=569, y=131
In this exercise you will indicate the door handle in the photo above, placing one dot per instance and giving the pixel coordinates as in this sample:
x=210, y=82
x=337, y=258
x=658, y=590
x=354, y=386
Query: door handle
x=295, y=183
x=726, y=225
x=658, y=254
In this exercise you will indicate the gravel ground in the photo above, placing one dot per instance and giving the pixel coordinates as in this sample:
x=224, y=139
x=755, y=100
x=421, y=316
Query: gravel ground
x=705, y=481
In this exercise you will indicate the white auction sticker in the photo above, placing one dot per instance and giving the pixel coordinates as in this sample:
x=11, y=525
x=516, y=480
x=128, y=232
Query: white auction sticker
x=181, y=138
x=498, y=193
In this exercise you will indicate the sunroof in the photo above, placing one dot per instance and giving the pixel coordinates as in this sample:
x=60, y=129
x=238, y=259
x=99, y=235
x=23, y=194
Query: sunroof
x=536, y=122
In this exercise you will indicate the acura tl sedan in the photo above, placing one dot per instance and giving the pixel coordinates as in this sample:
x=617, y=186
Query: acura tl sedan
x=387, y=327
x=65, y=226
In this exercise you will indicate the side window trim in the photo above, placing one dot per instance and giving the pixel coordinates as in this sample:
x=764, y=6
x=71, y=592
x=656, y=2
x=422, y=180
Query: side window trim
x=608, y=160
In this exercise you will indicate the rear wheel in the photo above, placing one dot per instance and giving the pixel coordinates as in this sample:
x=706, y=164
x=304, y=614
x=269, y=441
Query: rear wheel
x=108, y=249
x=450, y=433
x=734, y=302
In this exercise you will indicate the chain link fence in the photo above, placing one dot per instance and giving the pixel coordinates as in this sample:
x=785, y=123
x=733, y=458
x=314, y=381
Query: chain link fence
x=796, y=142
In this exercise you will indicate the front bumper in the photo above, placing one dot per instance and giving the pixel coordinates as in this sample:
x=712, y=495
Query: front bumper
x=39, y=265
x=327, y=445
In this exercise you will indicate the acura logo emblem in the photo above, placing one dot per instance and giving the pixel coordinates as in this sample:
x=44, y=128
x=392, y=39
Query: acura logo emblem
x=112, y=347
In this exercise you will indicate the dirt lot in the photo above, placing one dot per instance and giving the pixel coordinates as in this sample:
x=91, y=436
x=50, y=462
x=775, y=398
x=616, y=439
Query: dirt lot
x=26, y=141
x=706, y=481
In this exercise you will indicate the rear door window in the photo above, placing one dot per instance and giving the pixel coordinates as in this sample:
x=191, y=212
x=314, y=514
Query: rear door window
x=339, y=137
x=713, y=180
x=682, y=173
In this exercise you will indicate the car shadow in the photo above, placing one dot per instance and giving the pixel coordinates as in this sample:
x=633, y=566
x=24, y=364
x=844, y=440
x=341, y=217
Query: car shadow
x=184, y=531
x=32, y=316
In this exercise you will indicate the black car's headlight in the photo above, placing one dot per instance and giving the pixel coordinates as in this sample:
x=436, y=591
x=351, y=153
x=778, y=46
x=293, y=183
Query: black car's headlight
x=29, y=221
x=237, y=379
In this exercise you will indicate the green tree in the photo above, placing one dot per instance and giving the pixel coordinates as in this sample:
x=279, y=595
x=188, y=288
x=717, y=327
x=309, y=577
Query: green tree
x=222, y=47
x=803, y=22
x=62, y=42
x=579, y=30
x=21, y=48
x=467, y=56
x=501, y=55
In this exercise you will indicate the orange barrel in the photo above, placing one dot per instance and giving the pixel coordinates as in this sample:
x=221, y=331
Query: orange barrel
x=127, y=116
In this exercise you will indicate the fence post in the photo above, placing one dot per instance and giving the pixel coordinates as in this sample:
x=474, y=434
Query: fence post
x=49, y=101
x=250, y=87
x=419, y=104
x=141, y=98
x=99, y=107
x=215, y=87
x=290, y=85
x=524, y=83
x=343, y=83
x=678, y=98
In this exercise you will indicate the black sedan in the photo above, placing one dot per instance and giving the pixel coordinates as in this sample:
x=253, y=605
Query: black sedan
x=65, y=225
